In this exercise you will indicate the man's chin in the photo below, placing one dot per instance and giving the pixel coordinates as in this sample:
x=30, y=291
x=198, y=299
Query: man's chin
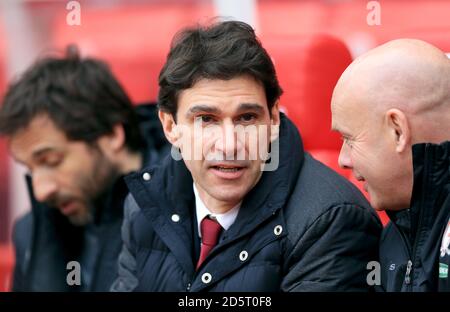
x=378, y=208
x=80, y=219
x=379, y=205
x=226, y=193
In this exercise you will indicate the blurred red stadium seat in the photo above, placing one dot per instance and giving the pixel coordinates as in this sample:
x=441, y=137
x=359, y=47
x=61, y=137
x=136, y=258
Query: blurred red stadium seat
x=427, y=20
x=2, y=62
x=134, y=40
x=4, y=190
x=4, y=215
x=308, y=68
x=6, y=267
x=383, y=217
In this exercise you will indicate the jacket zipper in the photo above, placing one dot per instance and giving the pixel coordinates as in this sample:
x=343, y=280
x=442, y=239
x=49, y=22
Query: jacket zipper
x=409, y=267
x=408, y=272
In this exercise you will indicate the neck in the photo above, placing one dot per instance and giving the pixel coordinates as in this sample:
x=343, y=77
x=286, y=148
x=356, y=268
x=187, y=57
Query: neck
x=436, y=134
x=214, y=205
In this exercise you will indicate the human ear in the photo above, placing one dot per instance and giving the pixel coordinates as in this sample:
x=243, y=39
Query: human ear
x=399, y=129
x=275, y=122
x=170, y=127
x=114, y=142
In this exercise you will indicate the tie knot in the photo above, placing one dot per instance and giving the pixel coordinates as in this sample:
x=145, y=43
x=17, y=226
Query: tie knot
x=210, y=229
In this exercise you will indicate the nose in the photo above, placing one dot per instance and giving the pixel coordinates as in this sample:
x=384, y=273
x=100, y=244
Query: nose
x=44, y=186
x=228, y=142
x=344, y=159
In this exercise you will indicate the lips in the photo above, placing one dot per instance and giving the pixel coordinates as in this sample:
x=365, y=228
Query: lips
x=68, y=208
x=227, y=168
x=228, y=171
x=364, y=184
x=359, y=178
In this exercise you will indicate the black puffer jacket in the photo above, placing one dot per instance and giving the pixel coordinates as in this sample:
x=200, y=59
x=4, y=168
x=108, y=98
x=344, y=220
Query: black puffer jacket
x=414, y=254
x=45, y=241
x=301, y=228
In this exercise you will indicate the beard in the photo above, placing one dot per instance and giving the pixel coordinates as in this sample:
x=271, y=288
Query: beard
x=93, y=188
x=81, y=219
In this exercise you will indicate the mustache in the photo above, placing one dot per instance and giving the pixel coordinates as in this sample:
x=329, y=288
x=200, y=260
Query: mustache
x=59, y=200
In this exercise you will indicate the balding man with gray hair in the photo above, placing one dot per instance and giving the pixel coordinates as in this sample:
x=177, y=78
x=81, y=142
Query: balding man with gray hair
x=392, y=108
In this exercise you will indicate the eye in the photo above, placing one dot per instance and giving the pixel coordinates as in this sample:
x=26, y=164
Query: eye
x=248, y=117
x=204, y=118
x=51, y=161
x=347, y=141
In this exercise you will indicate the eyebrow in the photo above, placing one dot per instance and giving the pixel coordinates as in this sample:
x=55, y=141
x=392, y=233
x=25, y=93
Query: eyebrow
x=214, y=110
x=342, y=132
x=202, y=109
x=335, y=127
x=250, y=106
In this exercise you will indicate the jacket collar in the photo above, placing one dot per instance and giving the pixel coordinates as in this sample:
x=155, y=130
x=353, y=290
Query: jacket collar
x=274, y=188
x=431, y=163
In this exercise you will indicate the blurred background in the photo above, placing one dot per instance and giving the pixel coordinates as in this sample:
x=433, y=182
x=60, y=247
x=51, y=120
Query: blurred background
x=311, y=43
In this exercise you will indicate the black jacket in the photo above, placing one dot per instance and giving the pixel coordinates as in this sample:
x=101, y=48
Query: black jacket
x=45, y=241
x=301, y=228
x=410, y=249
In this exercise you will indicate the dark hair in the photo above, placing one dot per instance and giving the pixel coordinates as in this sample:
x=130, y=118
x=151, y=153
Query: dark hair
x=223, y=50
x=81, y=96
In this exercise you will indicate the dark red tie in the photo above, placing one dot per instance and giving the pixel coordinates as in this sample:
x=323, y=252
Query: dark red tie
x=211, y=230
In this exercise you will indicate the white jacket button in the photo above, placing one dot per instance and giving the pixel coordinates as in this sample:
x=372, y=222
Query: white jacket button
x=206, y=278
x=146, y=176
x=278, y=230
x=243, y=255
x=175, y=217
